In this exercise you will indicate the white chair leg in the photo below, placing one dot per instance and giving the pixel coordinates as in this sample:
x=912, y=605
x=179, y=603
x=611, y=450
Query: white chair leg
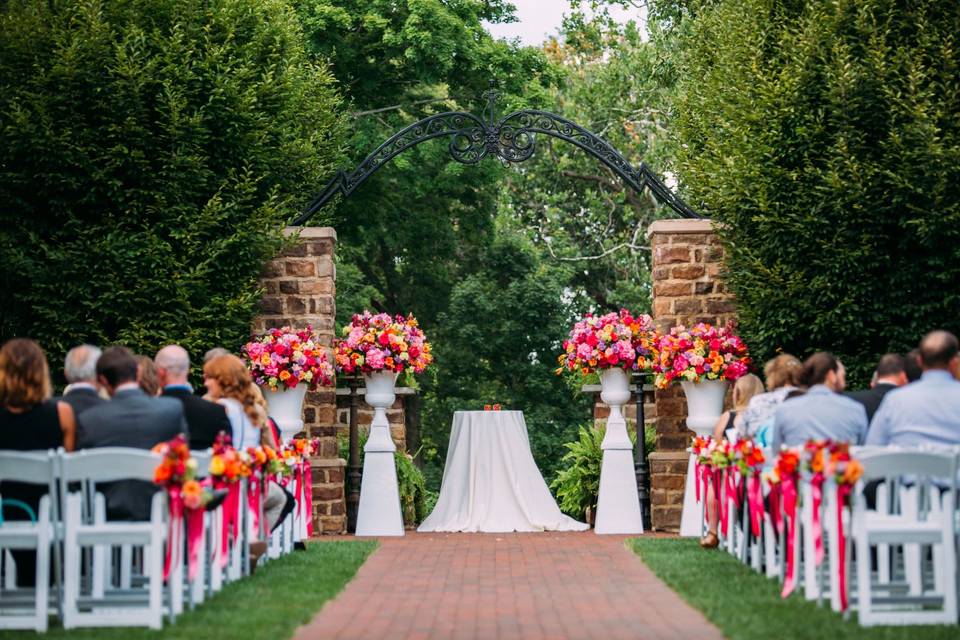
x=811, y=589
x=771, y=560
x=71, y=561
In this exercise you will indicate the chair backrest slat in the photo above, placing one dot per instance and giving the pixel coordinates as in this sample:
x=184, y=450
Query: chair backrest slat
x=32, y=467
x=108, y=464
x=902, y=462
x=202, y=456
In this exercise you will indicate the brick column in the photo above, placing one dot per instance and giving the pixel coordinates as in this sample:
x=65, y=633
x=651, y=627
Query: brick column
x=299, y=288
x=687, y=259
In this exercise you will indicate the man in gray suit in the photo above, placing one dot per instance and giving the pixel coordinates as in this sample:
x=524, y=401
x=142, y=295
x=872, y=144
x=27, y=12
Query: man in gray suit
x=820, y=413
x=130, y=419
x=925, y=412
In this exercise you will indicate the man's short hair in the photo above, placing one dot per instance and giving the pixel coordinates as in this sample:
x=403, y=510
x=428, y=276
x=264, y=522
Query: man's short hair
x=80, y=365
x=937, y=349
x=216, y=352
x=913, y=368
x=891, y=364
x=117, y=365
x=817, y=366
x=174, y=359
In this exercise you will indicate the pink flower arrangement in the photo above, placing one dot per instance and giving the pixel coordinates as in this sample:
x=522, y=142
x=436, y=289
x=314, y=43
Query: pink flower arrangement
x=382, y=343
x=703, y=352
x=608, y=341
x=283, y=358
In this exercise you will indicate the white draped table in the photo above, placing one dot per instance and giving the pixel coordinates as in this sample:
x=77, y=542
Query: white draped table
x=490, y=481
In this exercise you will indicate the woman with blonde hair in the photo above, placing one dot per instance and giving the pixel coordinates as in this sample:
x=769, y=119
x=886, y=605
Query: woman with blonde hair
x=29, y=421
x=228, y=382
x=744, y=389
x=783, y=377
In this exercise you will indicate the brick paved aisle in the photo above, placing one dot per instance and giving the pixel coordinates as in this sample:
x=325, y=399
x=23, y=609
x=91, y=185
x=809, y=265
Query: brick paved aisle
x=517, y=585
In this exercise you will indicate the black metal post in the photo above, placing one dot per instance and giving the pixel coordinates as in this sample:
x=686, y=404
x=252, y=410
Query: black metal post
x=354, y=471
x=640, y=461
x=411, y=416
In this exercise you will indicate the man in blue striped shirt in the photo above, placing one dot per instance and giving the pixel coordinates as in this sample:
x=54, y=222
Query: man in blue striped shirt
x=925, y=412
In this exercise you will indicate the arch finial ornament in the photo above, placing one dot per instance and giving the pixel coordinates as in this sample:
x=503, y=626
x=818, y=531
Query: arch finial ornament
x=511, y=138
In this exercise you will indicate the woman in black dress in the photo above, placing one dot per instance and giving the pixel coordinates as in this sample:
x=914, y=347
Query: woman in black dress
x=29, y=421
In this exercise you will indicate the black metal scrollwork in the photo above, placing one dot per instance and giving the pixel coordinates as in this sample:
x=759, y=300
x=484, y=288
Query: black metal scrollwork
x=512, y=138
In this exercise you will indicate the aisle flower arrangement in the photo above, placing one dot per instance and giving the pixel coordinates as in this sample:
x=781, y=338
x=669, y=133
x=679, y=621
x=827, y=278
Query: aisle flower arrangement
x=703, y=352
x=612, y=340
x=382, y=343
x=285, y=357
x=177, y=472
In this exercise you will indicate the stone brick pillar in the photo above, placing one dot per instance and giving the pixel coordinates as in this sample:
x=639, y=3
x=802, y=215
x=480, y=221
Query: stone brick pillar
x=299, y=288
x=687, y=259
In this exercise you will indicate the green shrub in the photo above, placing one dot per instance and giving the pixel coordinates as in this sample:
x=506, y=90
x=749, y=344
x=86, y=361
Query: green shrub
x=151, y=151
x=824, y=137
x=577, y=483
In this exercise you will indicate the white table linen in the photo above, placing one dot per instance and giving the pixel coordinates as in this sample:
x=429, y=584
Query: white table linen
x=490, y=481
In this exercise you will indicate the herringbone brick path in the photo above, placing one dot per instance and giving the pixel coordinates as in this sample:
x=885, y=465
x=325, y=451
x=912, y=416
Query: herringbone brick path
x=517, y=585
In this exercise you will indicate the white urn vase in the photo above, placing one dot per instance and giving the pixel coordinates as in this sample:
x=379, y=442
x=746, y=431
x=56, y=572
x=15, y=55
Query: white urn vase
x=285, y=406
x=704, y=406
x=618, y=505
x=379, y=511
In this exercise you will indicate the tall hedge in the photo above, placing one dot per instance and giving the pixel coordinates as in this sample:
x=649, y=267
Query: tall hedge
x=824, y=137
x=150, y=152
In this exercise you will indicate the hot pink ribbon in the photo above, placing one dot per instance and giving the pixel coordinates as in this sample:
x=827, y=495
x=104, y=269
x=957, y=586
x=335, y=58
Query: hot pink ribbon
x=843, y=491
x=194, y=541
x=253, y=494
x=308, y=495
x=790, y=511
x=696, y=476
x=722, y=498
x=775, y=515
x=755, y=502
x=175, y=530
x=816, y=489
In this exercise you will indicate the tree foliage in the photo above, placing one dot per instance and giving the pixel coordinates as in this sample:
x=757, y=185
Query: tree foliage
x=151, y=151
x=824, y=138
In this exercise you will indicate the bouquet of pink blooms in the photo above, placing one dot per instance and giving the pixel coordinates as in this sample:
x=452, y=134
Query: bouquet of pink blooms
x=382, y=343
x=285, y=357
x=612, y=340
x=703, y=352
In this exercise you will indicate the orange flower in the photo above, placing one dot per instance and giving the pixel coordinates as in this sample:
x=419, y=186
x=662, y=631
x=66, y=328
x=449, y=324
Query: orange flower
x=192, y=493
x=162, y=473
x=852, y=473
x=816, y=465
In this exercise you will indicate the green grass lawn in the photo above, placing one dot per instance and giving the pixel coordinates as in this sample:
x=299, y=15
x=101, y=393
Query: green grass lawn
x=272, y=603
x=746, y=605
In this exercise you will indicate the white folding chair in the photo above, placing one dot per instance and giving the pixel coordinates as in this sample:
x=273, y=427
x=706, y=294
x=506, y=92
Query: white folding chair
x=19, y=610
x=136, y=607
x=927, y=520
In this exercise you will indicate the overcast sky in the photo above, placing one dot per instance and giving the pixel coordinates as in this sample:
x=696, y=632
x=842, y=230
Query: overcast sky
x=538, y=19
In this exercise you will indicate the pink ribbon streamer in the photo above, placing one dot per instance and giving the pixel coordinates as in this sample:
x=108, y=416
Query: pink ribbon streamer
x=816, y=489
x=722, y=478
x=194, y=541
x=253, y=493
x=175, y=530
x=843, y=491
x=790, y=510
x=696, y=476
x=755, y=502
x=308, y=496
x=775, y=514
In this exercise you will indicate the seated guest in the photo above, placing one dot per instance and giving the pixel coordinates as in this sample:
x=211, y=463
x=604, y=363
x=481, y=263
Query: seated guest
x=228, y=381
x=891, y=373
x=745, y=388
x=783, y=375
x=926, y=412
x=80, y=370
x=147, y=376
x=912, y=365
x=822, y=412
x=130, y=419
x=29, y=421
x=204, y=419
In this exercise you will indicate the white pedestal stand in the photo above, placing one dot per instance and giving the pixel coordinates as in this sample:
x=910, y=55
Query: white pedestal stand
x=286, y=407
x=618, y=505
x=379, y=510
x=704, y=406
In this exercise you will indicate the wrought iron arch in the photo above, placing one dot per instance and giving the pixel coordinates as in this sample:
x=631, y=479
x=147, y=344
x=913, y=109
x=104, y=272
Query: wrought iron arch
x=512, y=138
